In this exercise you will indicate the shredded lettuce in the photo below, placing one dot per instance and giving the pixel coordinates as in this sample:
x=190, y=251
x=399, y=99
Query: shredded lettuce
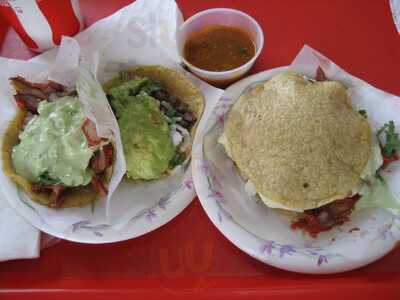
x=374, y=191
x=377, y=195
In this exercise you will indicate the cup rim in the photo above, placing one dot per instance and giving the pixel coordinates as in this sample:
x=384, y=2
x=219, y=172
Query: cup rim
x=228, y=72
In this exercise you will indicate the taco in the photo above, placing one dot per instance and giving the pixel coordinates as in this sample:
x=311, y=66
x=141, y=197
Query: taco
x=306, y=150
x=157, y=110
x=51, y=149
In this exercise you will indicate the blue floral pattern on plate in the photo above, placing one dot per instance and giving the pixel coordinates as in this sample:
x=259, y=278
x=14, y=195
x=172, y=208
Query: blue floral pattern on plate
x=309, y=257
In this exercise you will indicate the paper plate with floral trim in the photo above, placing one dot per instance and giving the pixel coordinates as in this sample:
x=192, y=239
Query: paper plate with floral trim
x=84, y=62
x=265, y=234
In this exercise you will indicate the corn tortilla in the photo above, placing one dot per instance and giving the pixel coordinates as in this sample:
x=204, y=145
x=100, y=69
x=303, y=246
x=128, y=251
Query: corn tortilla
x=304, y=145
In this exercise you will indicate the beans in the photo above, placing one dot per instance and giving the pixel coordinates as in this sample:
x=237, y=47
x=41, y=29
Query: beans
x=188, y=117
x=174, y=108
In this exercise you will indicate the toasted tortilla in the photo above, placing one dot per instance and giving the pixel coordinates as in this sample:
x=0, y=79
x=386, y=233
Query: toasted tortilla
x=301, y=143
x=75, y=197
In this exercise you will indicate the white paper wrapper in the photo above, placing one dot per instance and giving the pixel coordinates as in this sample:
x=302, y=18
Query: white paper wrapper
x=140, y=34
x=65, y=70
x=126, y=50
x=265, y=223
x=158, y=20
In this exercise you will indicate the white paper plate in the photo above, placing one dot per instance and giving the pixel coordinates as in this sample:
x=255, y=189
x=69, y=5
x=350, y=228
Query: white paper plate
x=139, y=34
x=146, y=220
x=135, y=208
x=338, y=250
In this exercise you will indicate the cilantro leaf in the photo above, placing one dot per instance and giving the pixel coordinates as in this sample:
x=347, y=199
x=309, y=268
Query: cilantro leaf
x=243, y=51
x=392, y=141
x=45, y=178
x=178, y=159
x=151, y=87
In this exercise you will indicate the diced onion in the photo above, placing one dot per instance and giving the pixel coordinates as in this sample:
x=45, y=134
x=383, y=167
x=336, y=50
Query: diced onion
x=176, y=137
x=185, y=135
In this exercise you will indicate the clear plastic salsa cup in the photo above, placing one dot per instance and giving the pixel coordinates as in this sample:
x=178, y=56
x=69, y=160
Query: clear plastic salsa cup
x=227, y=17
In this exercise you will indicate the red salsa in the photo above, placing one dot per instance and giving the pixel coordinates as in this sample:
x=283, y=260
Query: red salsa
x=219, y=48
x=324, y=218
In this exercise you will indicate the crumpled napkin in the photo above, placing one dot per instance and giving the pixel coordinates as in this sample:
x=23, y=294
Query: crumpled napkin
x=18, y=239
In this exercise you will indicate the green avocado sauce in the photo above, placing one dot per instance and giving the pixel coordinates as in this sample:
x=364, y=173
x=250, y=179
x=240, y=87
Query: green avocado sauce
x=145, y=134
x=53, y=148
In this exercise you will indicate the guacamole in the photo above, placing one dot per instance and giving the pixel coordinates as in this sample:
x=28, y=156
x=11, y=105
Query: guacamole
x=145, y=134
x=53, y=148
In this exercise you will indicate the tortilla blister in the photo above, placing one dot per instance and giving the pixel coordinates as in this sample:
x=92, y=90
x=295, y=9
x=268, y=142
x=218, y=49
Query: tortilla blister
x=76, y=197
x=301, y=143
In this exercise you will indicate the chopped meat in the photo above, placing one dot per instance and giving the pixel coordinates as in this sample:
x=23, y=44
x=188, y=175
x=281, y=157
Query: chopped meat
x=20, y=103
x=29, y=94
x=102, y=159
x=320, y=76
x=41, y=90
x=314, y=221
x=25, y=101
x=55, y=190
x=99, y=185
x=188, y=117
x=89, y=129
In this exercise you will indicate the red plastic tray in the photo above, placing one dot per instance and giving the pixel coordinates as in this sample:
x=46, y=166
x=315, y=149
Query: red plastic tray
x=188, y=257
